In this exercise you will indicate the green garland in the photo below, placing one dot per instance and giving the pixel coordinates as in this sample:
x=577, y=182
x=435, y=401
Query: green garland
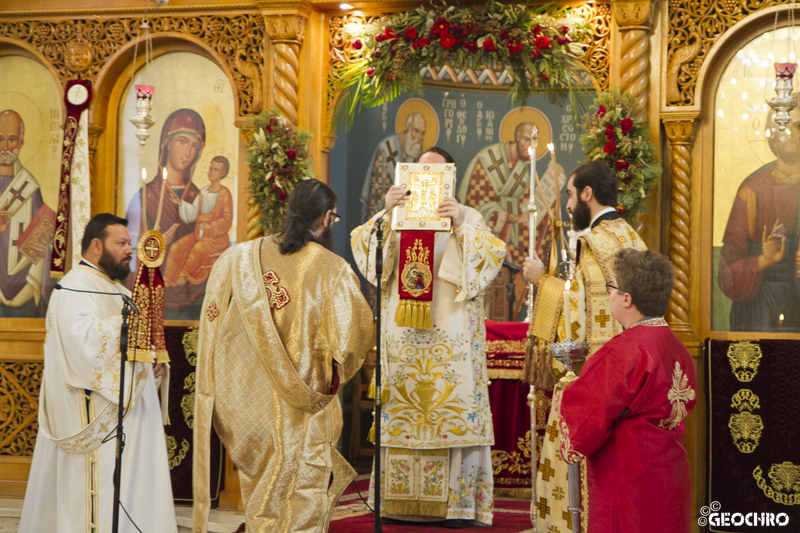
x=541, y=47
x=614, y=134
x=277, y=154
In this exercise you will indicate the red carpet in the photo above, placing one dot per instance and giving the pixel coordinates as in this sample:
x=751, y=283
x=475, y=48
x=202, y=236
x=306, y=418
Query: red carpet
x=352, y=516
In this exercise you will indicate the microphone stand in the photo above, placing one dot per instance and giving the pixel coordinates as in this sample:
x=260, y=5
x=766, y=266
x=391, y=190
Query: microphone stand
x=379, y=275
x=123, y=349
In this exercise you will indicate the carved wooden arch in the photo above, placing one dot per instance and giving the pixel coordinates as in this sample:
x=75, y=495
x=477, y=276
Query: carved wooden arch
x=111, y=82
x=116, y=73
x=726, y=47
x=12, y=47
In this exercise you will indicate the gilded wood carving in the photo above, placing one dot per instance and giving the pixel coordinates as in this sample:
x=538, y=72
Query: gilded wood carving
x=80, y=49
x=19, y=404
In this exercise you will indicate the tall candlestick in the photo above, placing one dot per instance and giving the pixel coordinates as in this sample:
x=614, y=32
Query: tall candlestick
x=144, y=202
x=532, y=204
x=567, y=318
x=161, y=200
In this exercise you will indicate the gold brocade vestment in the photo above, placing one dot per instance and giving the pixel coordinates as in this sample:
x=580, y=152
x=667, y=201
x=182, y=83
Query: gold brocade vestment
x=591, y=321
x=277, y=332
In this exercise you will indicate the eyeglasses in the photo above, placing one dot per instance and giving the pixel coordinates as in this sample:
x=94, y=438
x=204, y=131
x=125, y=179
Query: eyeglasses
x=610, y=286
x=335, y=218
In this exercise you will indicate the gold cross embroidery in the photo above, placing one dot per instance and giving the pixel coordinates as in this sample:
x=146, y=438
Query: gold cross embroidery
x=278, y=296
x=546, y=470
x=567, y=516
x=543, y=508
x=602, y=318
x=552, y=430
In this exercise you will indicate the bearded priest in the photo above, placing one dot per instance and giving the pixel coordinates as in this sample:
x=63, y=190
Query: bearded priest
x=625, y=414
x=70, y=487
x=592, y=191
x=436, y=425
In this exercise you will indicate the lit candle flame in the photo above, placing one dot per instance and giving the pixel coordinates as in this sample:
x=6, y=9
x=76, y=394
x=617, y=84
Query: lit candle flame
x=780, y=318
x=144, y=175
x=551, y=147
x=566, y=286
x=530, y=151
x=164, y=173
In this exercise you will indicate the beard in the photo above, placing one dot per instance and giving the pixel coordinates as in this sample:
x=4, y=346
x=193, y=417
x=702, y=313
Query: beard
x=118, y=270
x=9, y=157
x=581, y=215
x=413, y=148
x=325, y=238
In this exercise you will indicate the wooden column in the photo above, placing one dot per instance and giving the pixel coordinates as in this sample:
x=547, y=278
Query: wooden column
x=679, y=132
x=633, y=19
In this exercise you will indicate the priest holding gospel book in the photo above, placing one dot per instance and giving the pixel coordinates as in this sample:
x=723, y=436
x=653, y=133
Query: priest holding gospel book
x=436, y=424
x=625, y=413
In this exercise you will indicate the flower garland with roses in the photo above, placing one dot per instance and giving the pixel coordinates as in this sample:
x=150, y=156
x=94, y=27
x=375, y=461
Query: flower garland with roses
x=542, y=49
x=615, y=135
x=277, y=154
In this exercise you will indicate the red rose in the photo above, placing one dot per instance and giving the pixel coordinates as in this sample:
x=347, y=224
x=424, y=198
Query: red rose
x=275, y=187
x=561, y=40
x=441, y=26
x=379, y=37
x=471, y=46
x=514, y=47
x=621, y=165
x=610, y=132
x=620, y=210
x=389, y=33
x=564, y=30
x=610, y=147
x=504, y=34
x=447, y=40
x=542, y=41
x=282, y=195
x=456, y=28
x=410, y=34
x=610, y=135
x=626, y=124
x=421, y=43
x=370, y=72
x=627, y=179
x=357, y=44
x=393, y=51
x=537, y=29
x=470, y=27
x=544, y=76
x=269, y=129
x=535, y=53
x=376, y=54
x=601, y=111
x=389, y=76
x=488, y=45
x=271, y=177
x=291, y=154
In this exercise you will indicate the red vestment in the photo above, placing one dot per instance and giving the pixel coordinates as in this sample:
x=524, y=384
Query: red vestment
x=625, y=415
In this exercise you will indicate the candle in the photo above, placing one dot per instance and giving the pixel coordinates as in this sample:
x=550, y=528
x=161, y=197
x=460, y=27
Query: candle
x=567, y=318
x=532, y=205
x=161, y=200
x=144, y=202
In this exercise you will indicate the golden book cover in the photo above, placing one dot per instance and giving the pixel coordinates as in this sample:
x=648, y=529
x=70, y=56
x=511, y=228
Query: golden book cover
x=430, y=184
x=39, y=233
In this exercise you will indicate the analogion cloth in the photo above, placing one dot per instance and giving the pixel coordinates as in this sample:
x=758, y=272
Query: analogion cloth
x=435, y=393
x=278, y=334
x=71, y=481
x=625, y=416
x=590, y=320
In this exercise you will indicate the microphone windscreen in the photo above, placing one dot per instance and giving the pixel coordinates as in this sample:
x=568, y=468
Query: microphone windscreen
x=58, y=286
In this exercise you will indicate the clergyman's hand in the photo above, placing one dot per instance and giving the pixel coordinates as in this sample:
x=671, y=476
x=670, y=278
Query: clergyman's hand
x=394, y=194
x=451, y=208
x=158, y=369
x=532, y=269
x=772, y=246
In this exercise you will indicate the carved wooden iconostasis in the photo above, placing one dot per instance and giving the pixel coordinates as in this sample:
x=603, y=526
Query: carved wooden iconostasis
x=228, y=60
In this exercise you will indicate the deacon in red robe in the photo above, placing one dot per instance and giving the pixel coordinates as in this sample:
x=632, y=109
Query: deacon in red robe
x=625, y=413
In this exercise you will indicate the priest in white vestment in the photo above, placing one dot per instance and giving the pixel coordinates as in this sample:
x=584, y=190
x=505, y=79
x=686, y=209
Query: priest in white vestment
x=436, y=424
x=70, y=487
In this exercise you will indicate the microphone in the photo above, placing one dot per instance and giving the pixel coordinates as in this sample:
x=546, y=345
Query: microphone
x=512, y=267
x=125, y=298
x=380, y=218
